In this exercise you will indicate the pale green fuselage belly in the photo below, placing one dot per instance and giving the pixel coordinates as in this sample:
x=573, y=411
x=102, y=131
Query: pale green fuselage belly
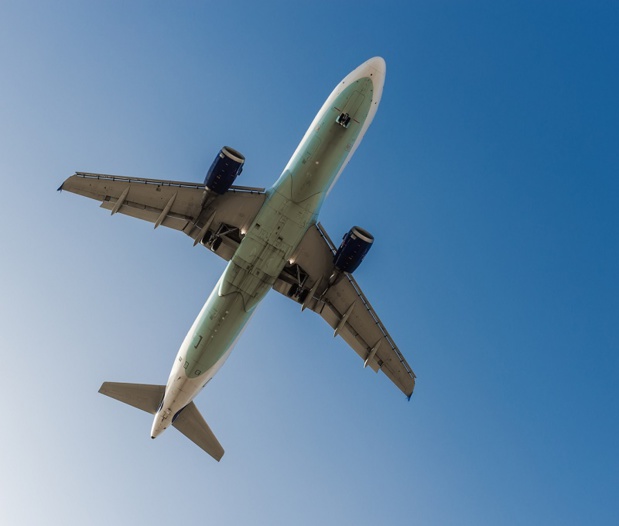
x=291, y=207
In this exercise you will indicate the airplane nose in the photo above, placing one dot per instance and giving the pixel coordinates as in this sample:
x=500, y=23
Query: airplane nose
x=378, y=64
x=376, y=69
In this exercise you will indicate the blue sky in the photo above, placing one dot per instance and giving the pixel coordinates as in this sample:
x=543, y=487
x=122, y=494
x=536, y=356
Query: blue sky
x=489, y=179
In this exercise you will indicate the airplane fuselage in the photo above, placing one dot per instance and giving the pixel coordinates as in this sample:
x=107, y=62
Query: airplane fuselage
x=291, y=207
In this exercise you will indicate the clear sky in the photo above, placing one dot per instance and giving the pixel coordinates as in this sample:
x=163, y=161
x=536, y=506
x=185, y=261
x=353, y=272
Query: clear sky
x=489, y=179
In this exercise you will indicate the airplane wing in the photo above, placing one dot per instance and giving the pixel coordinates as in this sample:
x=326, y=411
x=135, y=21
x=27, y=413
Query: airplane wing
x=215, y=221
x=343, y=306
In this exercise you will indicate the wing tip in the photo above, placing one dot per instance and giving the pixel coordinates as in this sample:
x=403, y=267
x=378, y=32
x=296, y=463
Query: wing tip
x=408, y=395
x=61, y=187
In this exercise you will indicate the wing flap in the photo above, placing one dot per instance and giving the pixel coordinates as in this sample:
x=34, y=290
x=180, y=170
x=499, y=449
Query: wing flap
x=146, y=213
x=333, y=317
x=141, y=198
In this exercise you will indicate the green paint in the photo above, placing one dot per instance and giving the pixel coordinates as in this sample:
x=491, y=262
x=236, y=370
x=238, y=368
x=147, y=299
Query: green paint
x=290, y=209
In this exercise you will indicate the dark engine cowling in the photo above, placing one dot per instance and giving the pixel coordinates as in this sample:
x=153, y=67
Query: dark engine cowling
x=355, y=245
x=226, y=167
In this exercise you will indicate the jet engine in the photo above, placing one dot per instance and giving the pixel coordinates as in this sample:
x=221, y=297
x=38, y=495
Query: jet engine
x=355, y=245
x=226, y=167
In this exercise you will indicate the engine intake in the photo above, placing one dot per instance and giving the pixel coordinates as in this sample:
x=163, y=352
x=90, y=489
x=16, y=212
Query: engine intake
x=356, y=243
x=226, y=167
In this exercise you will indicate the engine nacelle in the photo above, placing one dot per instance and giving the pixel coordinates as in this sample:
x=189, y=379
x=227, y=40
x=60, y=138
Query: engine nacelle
x=355, y=245
x=226, y=167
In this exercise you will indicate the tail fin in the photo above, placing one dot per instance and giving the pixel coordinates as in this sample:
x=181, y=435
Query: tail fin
x=188, y=420
x=143, y=396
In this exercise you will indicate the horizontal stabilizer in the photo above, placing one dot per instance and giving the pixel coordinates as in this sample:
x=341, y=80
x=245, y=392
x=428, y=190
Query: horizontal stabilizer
x=143, y=396
x=190, y=422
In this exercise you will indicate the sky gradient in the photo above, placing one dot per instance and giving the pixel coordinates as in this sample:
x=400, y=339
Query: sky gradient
x=489, y=179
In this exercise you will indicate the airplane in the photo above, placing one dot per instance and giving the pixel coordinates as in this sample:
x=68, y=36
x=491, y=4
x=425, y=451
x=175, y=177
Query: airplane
x=271, y=240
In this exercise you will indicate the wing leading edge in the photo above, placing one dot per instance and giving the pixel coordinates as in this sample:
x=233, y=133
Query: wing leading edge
x=343, y=306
